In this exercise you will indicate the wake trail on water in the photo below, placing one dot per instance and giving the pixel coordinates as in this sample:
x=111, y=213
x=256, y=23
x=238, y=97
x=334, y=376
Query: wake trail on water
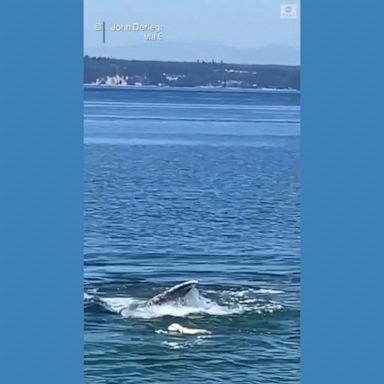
x=223, y=303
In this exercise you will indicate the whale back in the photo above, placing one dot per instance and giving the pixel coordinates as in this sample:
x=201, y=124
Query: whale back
x=176, y=292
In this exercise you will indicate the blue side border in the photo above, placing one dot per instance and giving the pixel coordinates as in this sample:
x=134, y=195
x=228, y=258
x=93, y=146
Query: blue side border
x=41, y=324
x=342, y=192
x=41, y=192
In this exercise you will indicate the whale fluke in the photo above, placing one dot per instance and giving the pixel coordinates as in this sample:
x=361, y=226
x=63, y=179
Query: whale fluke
x=176, y=292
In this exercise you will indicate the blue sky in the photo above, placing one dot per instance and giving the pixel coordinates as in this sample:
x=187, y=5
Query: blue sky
x=239, y=24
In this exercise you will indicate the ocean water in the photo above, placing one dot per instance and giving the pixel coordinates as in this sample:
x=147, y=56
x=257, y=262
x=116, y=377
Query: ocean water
x=192, y=184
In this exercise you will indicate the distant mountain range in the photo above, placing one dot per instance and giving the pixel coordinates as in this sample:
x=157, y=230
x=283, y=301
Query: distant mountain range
x=191, y=51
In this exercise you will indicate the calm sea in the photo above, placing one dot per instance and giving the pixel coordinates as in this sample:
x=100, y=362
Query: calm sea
x=192, y=184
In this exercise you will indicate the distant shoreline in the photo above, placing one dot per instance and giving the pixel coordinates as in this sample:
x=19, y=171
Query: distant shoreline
x=190, y=89
x=104, y=71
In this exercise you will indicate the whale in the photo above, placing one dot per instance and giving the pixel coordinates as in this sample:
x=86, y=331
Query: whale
x=176, y=293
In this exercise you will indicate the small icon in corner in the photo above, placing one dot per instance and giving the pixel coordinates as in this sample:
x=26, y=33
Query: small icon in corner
x=100, y=27
x=288, y=11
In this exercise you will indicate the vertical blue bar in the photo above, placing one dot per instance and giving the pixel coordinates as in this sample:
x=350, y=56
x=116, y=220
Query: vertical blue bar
x=103, y=32
x=342, y=192
x=41, y=327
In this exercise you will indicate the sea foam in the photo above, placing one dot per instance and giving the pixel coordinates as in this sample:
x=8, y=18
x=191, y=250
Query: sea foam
x=192, y=304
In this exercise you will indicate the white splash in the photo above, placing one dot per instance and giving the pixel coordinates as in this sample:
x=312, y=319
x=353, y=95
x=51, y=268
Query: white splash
x=231, y=303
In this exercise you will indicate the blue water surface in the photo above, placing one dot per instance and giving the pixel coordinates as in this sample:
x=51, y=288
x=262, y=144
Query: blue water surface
x=192, y=184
